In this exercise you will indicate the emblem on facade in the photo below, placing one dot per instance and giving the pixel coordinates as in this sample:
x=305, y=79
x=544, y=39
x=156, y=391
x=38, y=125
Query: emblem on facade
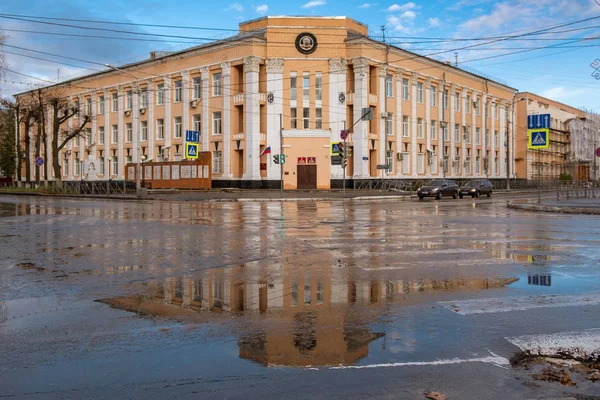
x=342, y=97
x=306, y=43
x=270, y=97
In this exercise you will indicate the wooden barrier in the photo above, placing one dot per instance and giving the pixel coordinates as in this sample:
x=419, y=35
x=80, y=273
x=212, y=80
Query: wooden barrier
x=194, y=174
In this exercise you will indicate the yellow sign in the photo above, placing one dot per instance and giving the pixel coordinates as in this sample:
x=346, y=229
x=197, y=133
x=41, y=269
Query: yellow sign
x=191, y=150
x=336, y=148
x=538, y=138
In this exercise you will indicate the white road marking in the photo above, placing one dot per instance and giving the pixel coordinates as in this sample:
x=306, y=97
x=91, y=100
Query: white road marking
x=493, y=359
x=497, y=305
x=579, y=344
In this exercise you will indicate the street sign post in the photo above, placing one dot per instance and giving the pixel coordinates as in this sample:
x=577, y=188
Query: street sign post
x=538, y=138
x=39, y=161
x=192, y=136
x=344, y=134
x=597, y=152
x=191, y=151
x=538, y=121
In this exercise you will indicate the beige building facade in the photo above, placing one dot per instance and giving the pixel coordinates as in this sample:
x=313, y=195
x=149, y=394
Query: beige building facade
x=293, y=83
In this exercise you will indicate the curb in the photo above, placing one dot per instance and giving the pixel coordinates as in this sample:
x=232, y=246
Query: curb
x=554, y=209
x=77, y=196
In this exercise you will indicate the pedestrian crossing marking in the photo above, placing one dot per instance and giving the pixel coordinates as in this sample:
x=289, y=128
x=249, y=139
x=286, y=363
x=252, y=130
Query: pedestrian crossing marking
x=191, y=150
x=539, y=140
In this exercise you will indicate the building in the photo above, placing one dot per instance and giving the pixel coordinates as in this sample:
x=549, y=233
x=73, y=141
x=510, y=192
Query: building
x=574, y=136
x=305, y=79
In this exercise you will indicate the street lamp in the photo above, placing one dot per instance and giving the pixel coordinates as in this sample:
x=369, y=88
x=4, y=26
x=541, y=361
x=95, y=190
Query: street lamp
x=136, y=123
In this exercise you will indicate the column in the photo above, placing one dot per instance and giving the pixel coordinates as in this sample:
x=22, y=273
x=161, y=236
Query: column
x=205, y=114
x=428, y=122
x=485, y=143
x=94, y=126
x=275, y=86
x=492, y=138
x=360, y=132
x=151, y=121
x=337, y=110
x=474, y=128
x=48, y=144
x=463, y=151
x=252, y=121
x=136, y=153
x=226, y=86
x=107, y=129
x=168, y=101
x=120, y=152
x=382, y=120
x=413, y=122
x=185, y=83
x=442, y=124
x=399, y=117
x=452, y=107
x=503, y=138
x=82, y=150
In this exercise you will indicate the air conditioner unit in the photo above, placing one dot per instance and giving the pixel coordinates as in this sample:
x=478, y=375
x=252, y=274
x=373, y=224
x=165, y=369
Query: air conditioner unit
x=177, y=157
x=127, y=112
x=400, y=156
x=143, y=110
x=466, y=136
x=194, y=103
x=429, y=160
x=385, y=115
x=466, y=164
x=165, y=154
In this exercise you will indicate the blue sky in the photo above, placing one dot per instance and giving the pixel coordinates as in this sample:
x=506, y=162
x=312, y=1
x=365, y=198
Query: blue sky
x=562, y=73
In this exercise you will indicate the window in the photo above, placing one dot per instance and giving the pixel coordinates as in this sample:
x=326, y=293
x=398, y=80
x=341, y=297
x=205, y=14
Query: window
x=477, y=109
x=77, y=141
x=433, y=96
x=128, y=132
x=88, y=137
x=160, y=94
x=196, y=125
x=496, y=139
x=294, y=294
x=217, y=162
x=319, y=86
x=307, y=293
x=66, y=167
x=306, y=86
x=101, y=135
x=457, y=164
x=115, y=102
x=293, y=86
x=101, y=165
x=294, y=118
x=178, y=89
x=318, y=118
x=389, y=86
x=197, y=88
x=419, y=128
x=390, y=160
x=100, y=104
x=144, y=130
x=144, y=98
x=477, y=136
x=456, y=101
x=217, y=84
x=405, y=126
x=445, y=98
x=77, y=166
x=177, y=127
x=456, y=133
x=389, y=126
x=115, y=134
x=128, y=159
x=306, y=117
x=468, y=165
x=420, y=163
x=445, y=131
x=496, y=166
x=477, y=165
x=160, y=128
x=406, y=162
x=434, y=162
x=77, y=108
x=433, y=130
x=467, y=133
x=129, y=100
x=115, y=165
x=419, y=92
x=88, y=106
x=216, y=116
x=487, y=137
x=468, y=104
x=405, y=92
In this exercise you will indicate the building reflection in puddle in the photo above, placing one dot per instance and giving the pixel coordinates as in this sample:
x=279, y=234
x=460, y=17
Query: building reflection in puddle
x=292, y=319
x=539, y=279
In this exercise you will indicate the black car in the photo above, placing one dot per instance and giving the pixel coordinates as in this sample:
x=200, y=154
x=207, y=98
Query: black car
x=438, y=189
x=477, y=188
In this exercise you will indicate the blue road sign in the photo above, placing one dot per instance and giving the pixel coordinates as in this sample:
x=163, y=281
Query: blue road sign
x=538, y=138
x=39, y=161
x=191, y=150
x=192, y=136
x=538, y=121
x=335, y=148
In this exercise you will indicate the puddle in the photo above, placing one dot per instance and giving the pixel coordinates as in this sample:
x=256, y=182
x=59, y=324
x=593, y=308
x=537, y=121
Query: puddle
x=296, y=321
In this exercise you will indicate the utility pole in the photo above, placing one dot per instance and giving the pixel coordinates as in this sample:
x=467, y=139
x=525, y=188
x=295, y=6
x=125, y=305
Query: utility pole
x=383, y=32
x=281, y=153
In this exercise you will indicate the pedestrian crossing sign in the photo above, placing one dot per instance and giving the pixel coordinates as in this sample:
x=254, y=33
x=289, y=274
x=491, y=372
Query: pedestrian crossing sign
x=191, y=150
x=538, y=138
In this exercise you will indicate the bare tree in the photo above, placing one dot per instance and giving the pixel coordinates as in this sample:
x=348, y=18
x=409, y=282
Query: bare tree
x=2, y=59
x=27, y=110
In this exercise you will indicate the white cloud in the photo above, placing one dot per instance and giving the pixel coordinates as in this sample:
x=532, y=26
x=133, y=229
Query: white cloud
x=408, y=15
x=235, y=6
x=262, y=9
x=560, y=93
x=366, y=5
x=403, y=7
x=314, y=3
x=434, y=22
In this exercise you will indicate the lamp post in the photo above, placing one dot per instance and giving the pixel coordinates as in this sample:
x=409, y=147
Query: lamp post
x=138, y=172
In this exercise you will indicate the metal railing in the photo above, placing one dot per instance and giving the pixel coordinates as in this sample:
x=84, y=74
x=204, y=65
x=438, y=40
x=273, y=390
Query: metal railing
x=99, y=188
x=577, y=190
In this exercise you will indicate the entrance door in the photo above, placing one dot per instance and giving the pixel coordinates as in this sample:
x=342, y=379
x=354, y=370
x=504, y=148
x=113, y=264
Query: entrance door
x=307, y=176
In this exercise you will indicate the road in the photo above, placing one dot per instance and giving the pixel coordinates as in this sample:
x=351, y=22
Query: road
x=380, y=299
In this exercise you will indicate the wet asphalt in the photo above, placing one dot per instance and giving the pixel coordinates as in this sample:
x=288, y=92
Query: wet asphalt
x=329, y=299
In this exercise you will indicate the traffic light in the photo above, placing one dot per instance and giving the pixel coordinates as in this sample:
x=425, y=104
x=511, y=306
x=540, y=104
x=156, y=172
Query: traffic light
x=342, y=150
x=283, y=158
x=344, y=162
x=276, y=158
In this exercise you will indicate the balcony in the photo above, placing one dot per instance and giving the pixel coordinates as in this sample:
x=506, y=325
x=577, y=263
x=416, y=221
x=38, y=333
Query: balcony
x=240, y=98
x=242, y=136
x=372, y=99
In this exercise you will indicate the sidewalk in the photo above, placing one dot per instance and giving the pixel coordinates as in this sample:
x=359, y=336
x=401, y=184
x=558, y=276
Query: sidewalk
x=570, y=206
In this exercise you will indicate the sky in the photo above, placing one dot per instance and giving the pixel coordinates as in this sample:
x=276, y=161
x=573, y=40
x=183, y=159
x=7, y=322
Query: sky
x=561, y=69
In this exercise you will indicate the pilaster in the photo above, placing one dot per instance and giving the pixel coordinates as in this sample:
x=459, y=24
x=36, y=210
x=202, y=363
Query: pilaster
x=360, y=135
x=275, y=79
x=205, y=113
x=121, y=138
x=337, y=109
x=252, y=120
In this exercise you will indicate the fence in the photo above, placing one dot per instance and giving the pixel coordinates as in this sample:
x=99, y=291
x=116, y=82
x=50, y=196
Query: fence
x=97, y=188
x=577, y=190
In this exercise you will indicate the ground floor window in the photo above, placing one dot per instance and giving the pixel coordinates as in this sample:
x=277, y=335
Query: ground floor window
x=217, y=162
x=101, y=166
x=115, y=166
x=66, y=167
x=406, y=163
x=420, y=163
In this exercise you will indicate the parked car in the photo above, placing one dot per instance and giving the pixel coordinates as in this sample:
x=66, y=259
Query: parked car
x=438, y=189
x=477, y=188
